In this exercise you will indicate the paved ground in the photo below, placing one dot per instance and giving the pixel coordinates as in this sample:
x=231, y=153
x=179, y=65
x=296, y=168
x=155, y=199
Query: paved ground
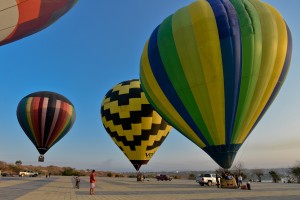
x=62, y=188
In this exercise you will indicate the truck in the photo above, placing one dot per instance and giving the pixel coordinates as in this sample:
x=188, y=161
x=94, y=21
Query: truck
x=207, y=179
x=163, y=177
x=28, y=173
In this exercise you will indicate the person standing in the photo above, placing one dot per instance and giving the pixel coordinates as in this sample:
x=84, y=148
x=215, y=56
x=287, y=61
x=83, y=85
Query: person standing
x=240, y=180
x=77, y=181
x=92, y=182
x=218, y=180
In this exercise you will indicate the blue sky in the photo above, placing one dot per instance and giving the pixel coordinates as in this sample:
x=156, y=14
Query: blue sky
x=97, y=45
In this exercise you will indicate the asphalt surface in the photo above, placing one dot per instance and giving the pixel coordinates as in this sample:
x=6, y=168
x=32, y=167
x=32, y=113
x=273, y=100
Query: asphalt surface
x=30, y=188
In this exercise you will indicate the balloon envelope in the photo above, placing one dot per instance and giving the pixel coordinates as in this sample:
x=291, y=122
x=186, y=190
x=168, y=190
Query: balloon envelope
x=213, y=68
x=132, y=123
x=45, y=117
x=21, y=18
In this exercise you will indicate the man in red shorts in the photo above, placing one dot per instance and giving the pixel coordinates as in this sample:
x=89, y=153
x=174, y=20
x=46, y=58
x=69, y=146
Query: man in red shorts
x=92, y=182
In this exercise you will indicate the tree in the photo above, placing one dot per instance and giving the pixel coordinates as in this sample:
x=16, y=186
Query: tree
x=275, y=176
x=192, y=176
x=238, y=168
x=18, y=162
x=259, y=173
x=68, y=171
x=296, y=171
x=109, y=174
x=54, y=170
x=3, y=165
x=15, y=169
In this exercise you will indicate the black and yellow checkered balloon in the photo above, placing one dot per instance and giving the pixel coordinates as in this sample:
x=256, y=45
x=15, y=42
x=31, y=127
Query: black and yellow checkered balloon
x=130, y=120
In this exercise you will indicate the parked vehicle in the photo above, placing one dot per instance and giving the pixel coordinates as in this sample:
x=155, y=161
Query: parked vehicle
x=207, y=179
x=6, y=174
x=28, y=173
x=198, y=178
x=163, y=177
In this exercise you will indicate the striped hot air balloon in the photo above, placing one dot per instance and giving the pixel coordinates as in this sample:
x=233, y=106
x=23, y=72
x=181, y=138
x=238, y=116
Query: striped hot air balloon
x=131, y=122
x=45, y=117
x=214, y=67
x=21, y=18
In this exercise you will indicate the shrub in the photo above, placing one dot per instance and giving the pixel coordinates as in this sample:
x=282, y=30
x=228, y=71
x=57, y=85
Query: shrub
x=192, y=176
x=109, y=174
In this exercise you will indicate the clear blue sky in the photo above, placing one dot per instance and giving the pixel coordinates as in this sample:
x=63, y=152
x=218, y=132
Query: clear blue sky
x=97, y=45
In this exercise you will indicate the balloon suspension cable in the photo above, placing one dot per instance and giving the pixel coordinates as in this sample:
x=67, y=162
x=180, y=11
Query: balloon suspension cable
x=243, y=151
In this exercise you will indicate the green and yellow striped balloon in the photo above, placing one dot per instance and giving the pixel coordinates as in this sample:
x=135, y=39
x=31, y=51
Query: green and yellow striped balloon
x=213, y=68
x=131, y=122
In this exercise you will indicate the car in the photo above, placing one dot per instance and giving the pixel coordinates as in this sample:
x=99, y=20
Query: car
x=163, y=177
x=207, y=179
x=28, y=173
x=6, y=174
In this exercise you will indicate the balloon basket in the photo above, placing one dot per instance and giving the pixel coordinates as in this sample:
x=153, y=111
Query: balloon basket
x=41, y=158
x=228, y=183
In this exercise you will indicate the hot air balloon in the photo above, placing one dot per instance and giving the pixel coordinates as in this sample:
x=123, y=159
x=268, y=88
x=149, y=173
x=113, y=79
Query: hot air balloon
x=45, y=117
x=213, y=68
x=21, y=18
x=132, y=123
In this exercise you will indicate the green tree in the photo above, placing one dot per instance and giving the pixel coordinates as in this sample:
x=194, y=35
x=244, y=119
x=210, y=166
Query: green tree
x=275, y=176
x=109, y=174
x=192, y=176
x=68, y=171
x=259, y=173
x=296, y=171
x=18, y=163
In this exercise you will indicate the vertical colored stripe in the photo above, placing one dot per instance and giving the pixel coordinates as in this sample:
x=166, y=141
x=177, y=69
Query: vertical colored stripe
x=55, y=118
x=269, y=49
x=29, y=120
x=205, y=69
x=43, y=120
x=278, y=66
x=165, y=84
x=65, y=126
x=22, y=117
x=184, y=102
x=35, y=107
x=59, y=125
x=162, y=105
x=230, y=41
x=250, y=27
x=282, y=77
